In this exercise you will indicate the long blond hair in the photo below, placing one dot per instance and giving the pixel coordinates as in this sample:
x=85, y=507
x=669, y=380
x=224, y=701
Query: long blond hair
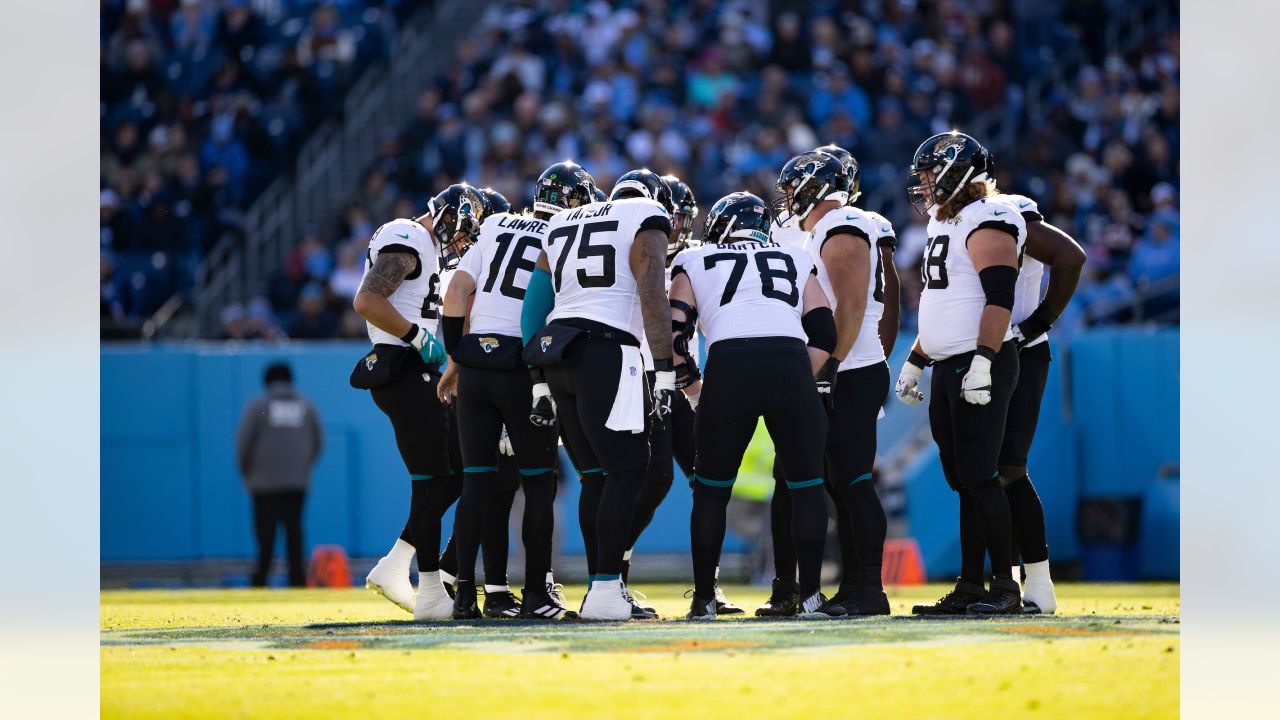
x=967, y=194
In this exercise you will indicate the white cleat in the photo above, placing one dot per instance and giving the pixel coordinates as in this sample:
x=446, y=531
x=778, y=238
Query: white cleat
x=1038, y=597
x=432, y=602
x=606, y=601
x=392, y=583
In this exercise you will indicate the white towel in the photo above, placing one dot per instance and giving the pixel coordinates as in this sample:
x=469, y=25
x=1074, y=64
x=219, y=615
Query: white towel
x=627, y=414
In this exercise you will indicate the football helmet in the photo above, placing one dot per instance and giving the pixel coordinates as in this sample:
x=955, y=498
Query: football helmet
x=808, y=179
x=599, y=194
x=737, y=215
x=851, y=168
x=456, y=214
x=643, y=183
x=686, y=206
x=955, y=159
x=495, y=202
x=563, y=185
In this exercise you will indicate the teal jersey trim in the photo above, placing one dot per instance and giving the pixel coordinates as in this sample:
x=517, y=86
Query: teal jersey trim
x=481, y=469
x=421, y=477
x=860, y=478
x=803, y=484
x=534, y=471
x=715, y=483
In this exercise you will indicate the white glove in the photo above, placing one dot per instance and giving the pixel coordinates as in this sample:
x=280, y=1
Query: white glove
x=504, y=443
x=693, y=400
x=664, y=394
x=543, y=412
x=908, y=381
x=975, y=388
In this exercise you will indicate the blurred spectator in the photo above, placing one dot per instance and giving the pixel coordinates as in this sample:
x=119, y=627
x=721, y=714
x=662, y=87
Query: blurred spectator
x=277, y=443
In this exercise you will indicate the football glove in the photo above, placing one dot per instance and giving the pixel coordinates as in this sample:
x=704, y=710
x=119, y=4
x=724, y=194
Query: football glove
x=908, y=382
x=826, y=379
x=430, y=348
x=664, y=394
x=543, y=413
x=1030, y=329
x=504, y=443
x=693, y=400
x=975, y=388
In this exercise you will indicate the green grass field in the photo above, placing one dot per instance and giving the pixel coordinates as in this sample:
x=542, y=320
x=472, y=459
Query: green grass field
x=1111, y=652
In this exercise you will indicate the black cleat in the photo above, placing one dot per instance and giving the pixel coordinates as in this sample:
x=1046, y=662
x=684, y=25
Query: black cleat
x=637, y=611
x=501, y=605
x=702, y=608
x=818, y=607
x=867, y=601
x=955, y=602
x=544, y=606
x=1003, y=599
x=464, y=602
x=723, y=606
x=783, y=602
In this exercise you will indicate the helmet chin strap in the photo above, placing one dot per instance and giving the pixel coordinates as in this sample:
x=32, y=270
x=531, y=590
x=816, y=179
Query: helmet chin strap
x=801, y=216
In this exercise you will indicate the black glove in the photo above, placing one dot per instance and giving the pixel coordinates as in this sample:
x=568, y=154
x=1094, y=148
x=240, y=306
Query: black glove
x=687, y=374
x=1033, y=327
x=826, y=379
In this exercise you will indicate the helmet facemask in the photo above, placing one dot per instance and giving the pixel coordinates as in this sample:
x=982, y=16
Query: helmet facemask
x=455, y=231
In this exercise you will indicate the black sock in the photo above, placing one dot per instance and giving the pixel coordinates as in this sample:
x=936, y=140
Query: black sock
x=993, y=516
x=848, y=549
x=496, y=539
x=449, y=558
x=868, y=527
x=651, y=495
x=469, y=521
x=1028, y=520
x=706, y=535
x=537, y=529
x=588, y=509
x=809, y=532
x=784, y=546
x=973, y=550
x=613, y=519
x=429, y=501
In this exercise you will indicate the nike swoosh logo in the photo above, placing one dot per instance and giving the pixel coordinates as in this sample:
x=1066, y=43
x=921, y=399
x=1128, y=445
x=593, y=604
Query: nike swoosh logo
x=1022, y=205
x=960, y=370
x=998, y=213
x=406, y=237
x=849, y=217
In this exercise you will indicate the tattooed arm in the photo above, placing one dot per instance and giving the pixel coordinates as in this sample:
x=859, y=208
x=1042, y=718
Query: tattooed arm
x=388, y=271
x=649, y=266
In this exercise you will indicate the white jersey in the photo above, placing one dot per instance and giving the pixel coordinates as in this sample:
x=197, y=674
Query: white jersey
x=1027, y=293
x=501, y=263
x=788, y=233
x=747, y=289
x=589, y=250
x=418, y=297
x=952, y=302
x=866, y=349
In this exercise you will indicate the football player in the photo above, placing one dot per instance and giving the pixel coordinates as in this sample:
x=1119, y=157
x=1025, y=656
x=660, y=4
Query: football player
x=399, y=300
x=1047, y=246
x=855, y=244
x=493, y=389
x=757, y=302
x=970, y=274
x=609, y=287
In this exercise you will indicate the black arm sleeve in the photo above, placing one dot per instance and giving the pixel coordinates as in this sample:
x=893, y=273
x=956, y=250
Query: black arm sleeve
x=661, y=223
x=452, y=327
x=820, y=327
x=998, y=282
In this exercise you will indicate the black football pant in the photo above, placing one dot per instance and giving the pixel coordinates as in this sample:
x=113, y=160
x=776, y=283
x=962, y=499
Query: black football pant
x=487, y=400
x=610, y=463
x=969, y=438
x=746, y=379
x=849, y=461
x=1029, y=540
x=270, y=510
x=421, y=424
x=667, y=441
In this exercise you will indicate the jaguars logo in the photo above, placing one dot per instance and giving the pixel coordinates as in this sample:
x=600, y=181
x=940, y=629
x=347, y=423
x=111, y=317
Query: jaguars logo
x=370, y=360
x=489, y=344
x=948, y=146
x=545, y=342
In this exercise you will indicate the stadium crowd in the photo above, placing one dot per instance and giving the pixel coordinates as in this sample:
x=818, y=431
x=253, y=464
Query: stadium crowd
x=721, y=93
x=202, y=104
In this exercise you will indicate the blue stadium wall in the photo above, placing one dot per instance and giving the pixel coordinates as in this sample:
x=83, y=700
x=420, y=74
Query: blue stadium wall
x=170, y=490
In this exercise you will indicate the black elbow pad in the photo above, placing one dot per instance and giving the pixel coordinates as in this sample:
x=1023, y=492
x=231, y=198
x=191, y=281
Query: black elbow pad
x=820, y=327
x=998, y=282
x=684, y=327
